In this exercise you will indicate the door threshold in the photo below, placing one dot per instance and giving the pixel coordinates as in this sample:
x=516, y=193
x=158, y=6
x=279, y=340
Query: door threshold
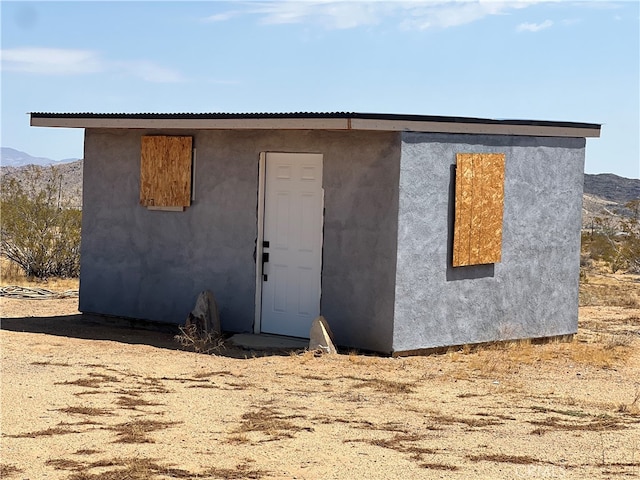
x=268, y=341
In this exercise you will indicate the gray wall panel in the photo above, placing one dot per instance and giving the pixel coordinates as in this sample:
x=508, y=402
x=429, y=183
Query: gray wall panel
x=152, y=264
x=533, y=291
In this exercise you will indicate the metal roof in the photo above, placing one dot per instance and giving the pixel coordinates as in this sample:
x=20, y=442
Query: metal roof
x=316, y=120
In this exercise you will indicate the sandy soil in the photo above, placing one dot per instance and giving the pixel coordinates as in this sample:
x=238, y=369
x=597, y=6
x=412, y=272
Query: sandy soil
x=81, y=400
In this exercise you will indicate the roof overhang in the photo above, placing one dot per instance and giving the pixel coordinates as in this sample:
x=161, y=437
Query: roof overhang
x=315, y=121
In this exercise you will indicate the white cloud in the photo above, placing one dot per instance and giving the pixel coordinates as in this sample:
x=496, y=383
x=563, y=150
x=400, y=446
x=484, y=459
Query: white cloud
x=221, y=17
x=534, y=27
x=330, y=14
x=452, y=14
x=50, y=61
x=410, y=14
x=59, y=61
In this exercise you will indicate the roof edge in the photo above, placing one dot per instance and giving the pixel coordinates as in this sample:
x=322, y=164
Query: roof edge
x=310, y=120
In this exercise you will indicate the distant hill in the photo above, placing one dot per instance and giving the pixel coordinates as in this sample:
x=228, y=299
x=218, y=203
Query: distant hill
x=605, y=196
x=71, y=178
x=612, y=187
x=10, y=157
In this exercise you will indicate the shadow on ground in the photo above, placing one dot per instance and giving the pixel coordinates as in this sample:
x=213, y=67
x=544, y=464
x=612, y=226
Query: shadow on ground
x=91, y=327
x=134, y=332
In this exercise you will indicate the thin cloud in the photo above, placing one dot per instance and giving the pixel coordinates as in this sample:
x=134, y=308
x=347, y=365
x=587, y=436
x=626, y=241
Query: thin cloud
x=534, y=27
x=59, y=61
x=332, y=15
x=453, y=14
x=221, y=17
x=417, y=14
x=50, y=61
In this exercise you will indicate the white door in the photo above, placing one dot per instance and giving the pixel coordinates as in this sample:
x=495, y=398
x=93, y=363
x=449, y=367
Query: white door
x=292, y=243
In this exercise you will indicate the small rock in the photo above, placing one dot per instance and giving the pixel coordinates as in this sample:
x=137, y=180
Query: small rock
x=320, y=337
x=205, y=314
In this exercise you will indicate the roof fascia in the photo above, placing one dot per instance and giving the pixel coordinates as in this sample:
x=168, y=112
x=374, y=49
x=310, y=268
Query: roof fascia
x=315, y=124
x=475, y=128
x=195, y=123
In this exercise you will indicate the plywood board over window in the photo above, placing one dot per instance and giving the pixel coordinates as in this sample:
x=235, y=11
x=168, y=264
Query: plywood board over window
x=477, y=233
x=165, y=172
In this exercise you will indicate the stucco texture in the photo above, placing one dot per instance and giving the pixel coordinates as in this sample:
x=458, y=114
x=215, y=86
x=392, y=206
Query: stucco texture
x=151, y=265
x=533, y=290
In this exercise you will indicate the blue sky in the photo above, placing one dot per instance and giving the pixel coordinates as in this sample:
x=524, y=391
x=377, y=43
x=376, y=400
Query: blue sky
x=546, y=60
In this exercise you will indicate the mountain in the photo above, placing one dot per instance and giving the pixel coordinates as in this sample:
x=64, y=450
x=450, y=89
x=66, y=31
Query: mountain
x=10, y=157
x=605, y=197
x=612, y=187
x=71, y=173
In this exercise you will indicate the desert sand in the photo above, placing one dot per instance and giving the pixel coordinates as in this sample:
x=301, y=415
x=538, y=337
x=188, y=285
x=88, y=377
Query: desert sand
x=83, y=400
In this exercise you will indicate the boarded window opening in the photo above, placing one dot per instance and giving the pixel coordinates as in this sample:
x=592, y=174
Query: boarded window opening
x=165, y=172
x=477, y=233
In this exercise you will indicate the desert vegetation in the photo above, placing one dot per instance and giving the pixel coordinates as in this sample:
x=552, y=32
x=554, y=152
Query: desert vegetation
x=614, y=241
x=40, y=231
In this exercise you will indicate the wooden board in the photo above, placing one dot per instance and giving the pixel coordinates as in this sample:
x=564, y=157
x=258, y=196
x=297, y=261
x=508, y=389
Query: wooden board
x=477, y=236
x=165, y=171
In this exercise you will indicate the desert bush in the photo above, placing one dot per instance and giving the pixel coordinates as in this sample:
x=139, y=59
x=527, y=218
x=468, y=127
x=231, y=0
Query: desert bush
x=199, y=341
x=39, y=232
x=617, y=245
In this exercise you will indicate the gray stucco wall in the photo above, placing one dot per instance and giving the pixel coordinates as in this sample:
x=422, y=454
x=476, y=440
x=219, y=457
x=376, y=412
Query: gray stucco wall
x=533, y=291
x=152, y=264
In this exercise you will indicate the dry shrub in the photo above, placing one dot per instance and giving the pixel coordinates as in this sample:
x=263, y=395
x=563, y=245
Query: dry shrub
x=95, y=380
x=383, y=385
x=64, y=464
x=196, y=340
x=51, y=364
x=238, y=438
x=517, y=459
x=603, y=355
x=7, y=470
x=632, y=408
x=442, y=419
x=618, y=340
x=11, y=273
x=592, y=424
x=270, y=422
x=46, y=432
x=439, y=466
x=217, y=373
x=601, y=289
x=91, y=411
x=400, y=442
x=129, y=469
x=505, y=358
x=40, y=228
x=137, y=431
x=87, y=451
x=240, y=472
x=357, y=359
x=131, y=402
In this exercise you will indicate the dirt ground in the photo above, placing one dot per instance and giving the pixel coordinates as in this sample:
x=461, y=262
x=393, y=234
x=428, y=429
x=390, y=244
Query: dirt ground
x=81, y=400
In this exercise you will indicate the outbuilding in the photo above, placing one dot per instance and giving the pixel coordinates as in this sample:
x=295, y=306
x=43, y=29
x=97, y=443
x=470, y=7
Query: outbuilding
x=406, y=232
